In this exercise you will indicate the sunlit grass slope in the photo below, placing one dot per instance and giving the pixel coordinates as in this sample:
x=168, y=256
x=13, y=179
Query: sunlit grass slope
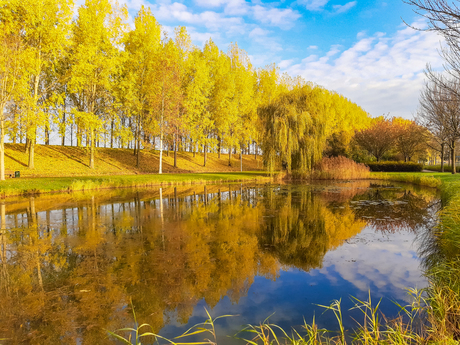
x=53, y=160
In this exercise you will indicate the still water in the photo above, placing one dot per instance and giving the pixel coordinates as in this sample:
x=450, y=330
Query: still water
x=72, y=265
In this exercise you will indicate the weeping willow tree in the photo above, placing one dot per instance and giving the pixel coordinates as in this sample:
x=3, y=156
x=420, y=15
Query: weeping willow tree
x=294, y=129
x=297, y=124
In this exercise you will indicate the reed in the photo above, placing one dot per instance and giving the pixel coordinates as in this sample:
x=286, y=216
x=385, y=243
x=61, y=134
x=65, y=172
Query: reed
x=375, y=329
x=340, y=168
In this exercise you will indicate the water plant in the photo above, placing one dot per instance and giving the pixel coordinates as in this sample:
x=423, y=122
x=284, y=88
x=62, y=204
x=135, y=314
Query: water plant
x=410, y=327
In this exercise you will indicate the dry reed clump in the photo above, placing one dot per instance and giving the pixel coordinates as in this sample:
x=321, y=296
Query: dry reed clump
x=340, y=168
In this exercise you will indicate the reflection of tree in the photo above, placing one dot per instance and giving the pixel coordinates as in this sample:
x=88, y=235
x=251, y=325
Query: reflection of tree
x=76, y=268
x=299, y=229
x=394, y=209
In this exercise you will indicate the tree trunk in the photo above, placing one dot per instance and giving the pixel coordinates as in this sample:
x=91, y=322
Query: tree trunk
x=138, y=160
x=160, y=171
x=111, y=134
x=32, y=141
x=442, y=157
x=63, y=126
x=47, y=136
x=91, y=143
x=241, y=159
x=453, y=157
x=2, y=147
x=175, y=151
x=79, y=137
x=205, y=150
x=255, y=150
x=229, y=156
x=219, y=147
x=31, y=153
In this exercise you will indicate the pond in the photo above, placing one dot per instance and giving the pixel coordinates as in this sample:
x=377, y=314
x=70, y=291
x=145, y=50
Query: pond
x=73, y=265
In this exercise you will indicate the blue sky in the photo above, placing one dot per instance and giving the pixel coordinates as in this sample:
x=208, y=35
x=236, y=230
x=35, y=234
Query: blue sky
x=359, y=48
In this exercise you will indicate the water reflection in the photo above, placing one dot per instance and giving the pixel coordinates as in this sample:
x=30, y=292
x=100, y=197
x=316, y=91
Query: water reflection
x=70, y=265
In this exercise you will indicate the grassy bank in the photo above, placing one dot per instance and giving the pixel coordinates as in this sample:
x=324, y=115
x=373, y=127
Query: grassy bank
x=427, y=179
x=31, y=186
x=53, y=160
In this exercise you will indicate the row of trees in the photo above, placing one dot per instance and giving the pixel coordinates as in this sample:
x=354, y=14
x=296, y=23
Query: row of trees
x=136, y=87
x=440, y=100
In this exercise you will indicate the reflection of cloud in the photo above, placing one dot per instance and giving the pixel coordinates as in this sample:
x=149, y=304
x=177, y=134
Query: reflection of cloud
x=385, y=265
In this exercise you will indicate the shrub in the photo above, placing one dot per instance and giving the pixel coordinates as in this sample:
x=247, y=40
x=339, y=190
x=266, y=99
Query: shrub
x=340, y=168
x=395, y=166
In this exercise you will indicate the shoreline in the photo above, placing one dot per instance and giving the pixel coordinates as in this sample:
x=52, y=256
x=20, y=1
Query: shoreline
x=44, y=185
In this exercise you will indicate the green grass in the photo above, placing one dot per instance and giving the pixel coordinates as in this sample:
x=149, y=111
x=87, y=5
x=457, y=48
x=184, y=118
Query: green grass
x=427, y=179
x=30, y=186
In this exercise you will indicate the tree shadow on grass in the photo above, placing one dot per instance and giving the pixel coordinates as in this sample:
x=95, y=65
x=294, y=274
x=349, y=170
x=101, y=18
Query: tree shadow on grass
x=68, y=156
x=17, y=161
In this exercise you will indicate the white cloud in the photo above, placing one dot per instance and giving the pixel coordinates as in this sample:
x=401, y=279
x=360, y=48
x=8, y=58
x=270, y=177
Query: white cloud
x=210, y=3
x=285, y=63
x=344, y=8
x=314, y=5
x=200, y=38
x=179, y=12
x=380, y=73
x=258, y=32
x=260, y=36
x=282, y=18
x=232, y=7
x=236, y=7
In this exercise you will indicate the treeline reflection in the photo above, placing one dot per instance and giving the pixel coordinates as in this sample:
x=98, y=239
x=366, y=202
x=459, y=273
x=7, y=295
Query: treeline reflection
x=71, y=265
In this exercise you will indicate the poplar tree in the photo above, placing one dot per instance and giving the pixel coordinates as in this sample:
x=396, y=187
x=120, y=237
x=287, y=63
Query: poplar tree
x=45, y=30
x=223, y=109
x=94, y=60
x=141, y=47
x=197, y=98
x=165, y=94
x=241, y=124
x=184, y=45
x=12, y=76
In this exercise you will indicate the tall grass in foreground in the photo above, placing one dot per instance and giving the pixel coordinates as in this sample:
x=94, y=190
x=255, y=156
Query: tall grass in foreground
x=409, y=328
x=442, y=264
